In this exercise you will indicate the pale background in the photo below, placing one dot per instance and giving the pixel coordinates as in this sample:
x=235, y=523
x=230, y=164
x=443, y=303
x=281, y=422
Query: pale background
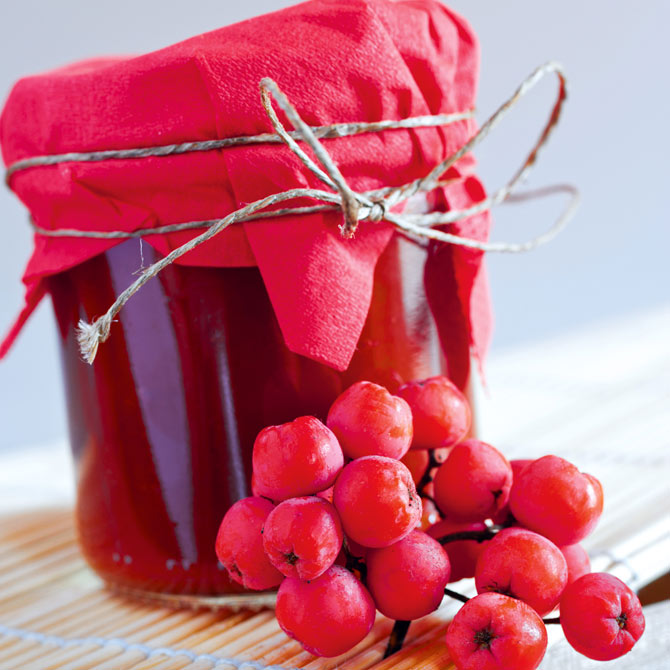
x=612, y=263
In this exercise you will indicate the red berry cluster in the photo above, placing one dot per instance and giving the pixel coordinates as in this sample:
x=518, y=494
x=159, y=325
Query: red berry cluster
x=386, y=504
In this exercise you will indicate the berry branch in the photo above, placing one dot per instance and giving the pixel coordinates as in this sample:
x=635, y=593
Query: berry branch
x=476, y=535
x=456, y=596
x=428, y=474
x=425, y=496
x=397, y=637
x=320, y=488
x=356, y=565
x=464, y=599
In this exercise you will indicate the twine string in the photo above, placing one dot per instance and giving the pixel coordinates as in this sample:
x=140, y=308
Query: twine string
x=372, y=206
x=350, y=201
x=331, y=131
x=90, y=335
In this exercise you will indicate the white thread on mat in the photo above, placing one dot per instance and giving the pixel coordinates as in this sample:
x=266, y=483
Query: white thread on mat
x=615, y=560
x=145, y=650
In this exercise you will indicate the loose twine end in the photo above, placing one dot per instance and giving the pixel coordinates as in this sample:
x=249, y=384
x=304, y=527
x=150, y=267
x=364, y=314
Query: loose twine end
x=90, y=335
x=351, y=213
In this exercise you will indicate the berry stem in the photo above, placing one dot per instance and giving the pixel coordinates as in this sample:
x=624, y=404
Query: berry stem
x=476, y=535
x=397, y=637
x=464, y=599
x=356, y=565
x=456, y=596
x=425, y=496
x=428, y=474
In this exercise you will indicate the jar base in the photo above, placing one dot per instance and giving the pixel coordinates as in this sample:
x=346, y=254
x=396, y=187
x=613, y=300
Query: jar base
x=232, y=601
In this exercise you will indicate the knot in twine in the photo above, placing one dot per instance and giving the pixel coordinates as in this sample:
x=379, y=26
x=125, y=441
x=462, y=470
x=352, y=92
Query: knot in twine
x=372, y=206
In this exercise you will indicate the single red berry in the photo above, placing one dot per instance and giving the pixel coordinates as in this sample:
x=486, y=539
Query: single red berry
x=601, y=617
x=524, y=565
x=239, y=544
x=407, y=579
x=302, y=537
x=441, y=413
x=577, y=560
x=441, y=455
x=430, y=515
x=473, y=483
x=504, y=517
x=369, y=421
x=553, y=498
x=254, y=487
x=328, y=615
x=377, y=501
x=519, y=464
x=416, y=461
x=495, y=632
x=298, y=458
x=463, y=554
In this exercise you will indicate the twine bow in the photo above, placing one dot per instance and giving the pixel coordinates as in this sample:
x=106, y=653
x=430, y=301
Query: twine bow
x=372, y=206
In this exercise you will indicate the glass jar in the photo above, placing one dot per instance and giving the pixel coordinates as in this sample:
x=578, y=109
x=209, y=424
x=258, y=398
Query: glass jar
x=162, y=425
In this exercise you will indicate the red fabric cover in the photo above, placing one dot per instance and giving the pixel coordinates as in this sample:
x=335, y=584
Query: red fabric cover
x=338, y=61
x=456, y=284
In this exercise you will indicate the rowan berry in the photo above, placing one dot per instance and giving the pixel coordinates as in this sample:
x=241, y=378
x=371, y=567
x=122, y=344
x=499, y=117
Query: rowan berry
x=441, y=413
x=504, y=516
x=239, y=544
x=577, y=560
x=601, y=617
x=430, y=515
x=473, y=483
x=407, y=579
x=302, y=537
x=553, y=498
x=496, y=632
x=524, y=565
x=416, y=461
x=328, y=615
x=298, y=458
x=463, y=554
x=369, y=421
x=377, y=501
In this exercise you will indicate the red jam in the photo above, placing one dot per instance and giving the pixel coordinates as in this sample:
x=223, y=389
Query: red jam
x=163, y=423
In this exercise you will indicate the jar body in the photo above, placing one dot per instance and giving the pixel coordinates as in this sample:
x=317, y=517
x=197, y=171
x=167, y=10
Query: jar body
x=162, y=425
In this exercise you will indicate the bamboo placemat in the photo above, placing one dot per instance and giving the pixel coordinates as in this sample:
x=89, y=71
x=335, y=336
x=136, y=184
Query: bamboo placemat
x=600, y=400
x=55, y=614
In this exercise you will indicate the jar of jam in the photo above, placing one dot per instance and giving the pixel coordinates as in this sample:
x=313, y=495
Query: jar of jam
x=163, y=423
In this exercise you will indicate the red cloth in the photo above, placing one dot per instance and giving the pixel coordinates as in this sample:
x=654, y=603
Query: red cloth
x=337, y=61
